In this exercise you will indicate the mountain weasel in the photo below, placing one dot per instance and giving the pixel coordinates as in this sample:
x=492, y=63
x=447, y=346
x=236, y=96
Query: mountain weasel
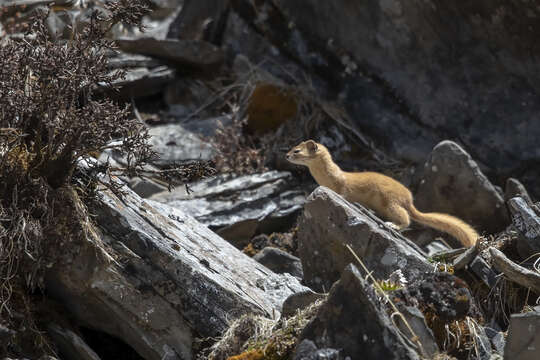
x=379, y=192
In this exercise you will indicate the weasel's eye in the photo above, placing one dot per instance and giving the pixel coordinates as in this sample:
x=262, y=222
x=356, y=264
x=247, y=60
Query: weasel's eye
x=296, y=151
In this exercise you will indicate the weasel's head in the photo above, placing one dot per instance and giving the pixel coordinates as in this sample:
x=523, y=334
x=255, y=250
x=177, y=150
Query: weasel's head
x=306, y=153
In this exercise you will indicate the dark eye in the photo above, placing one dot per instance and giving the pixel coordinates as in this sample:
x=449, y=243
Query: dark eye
x=296, y=151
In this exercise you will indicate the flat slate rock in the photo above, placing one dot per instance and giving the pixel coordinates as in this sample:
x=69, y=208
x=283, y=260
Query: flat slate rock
x=195, y=53
x=155, y=278
x=239, y=204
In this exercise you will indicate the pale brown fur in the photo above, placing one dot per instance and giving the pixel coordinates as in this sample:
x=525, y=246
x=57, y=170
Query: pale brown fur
x=381, y=193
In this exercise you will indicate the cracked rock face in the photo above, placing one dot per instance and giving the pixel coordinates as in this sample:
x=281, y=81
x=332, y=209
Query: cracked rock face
x=160, y=278
x=352, y=320
x=329, y=223
x=237, y=207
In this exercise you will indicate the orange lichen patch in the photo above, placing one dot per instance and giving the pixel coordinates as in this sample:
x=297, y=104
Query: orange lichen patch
x=249, y=250
x=249, y=355
x=269, y=107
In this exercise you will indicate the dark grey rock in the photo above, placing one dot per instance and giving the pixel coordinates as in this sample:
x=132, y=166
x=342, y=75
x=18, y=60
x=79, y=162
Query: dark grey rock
x=499, y=342
x=200, y=20
x=307, y=350
x=527, y=222
x=299, y=301
x=482, y=345
x=239, y=206
x=208, y=127
x=514, y=188
x=418, y=324
x=121, y=60
x=523, y=341
x=141, y=81
x=175, y=144
x=452, y=183
x=329, y=223
x=484, y=272
x=280, y=261
x=434, y=248
x=198, y=54
x=465, y=258
x=442, y=74
x=146, y=187
x=188, y=97
x=155, y=277
x=70, y=345
x=353, y=321
x=6, y=333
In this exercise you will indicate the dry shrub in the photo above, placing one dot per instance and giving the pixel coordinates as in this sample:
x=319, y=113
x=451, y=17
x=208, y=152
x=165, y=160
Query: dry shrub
x=248, y=148
x=257, y=337
x=50, y=124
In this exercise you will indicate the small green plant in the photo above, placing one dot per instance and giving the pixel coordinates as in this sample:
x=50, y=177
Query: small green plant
x=387, y=285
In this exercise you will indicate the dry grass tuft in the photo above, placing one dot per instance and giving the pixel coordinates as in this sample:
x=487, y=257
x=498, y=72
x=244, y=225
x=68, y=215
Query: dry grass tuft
x=256, y=337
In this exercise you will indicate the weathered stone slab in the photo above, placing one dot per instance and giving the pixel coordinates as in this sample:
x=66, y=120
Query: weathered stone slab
x=160, y=278
x=329, y=223
x=352, y=320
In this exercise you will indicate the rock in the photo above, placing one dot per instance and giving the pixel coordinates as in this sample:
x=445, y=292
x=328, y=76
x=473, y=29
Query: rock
x=146, y=187
x=70, y=345
x=523, y=342
x=514, y=188
x=141, y=82
x=433, y=81
x=200, y=20
x=175, y=144
x=155, y=278
x=482, y=350
x=280, y=262
x=299, y=301
x=418, y=323
x=527, y=222
x=453, y=183
x=307, y=350
x=262, y=55
x=352, y=320
x=197, y=54
x=6, y=333
x=499, y=342
x=329, y=223
x=186, y=97
x=240, y=206
x=465, y=258
x=481, y=268
x=208, y=127
x=435, y=247
x=120, y=60
x=514, y=272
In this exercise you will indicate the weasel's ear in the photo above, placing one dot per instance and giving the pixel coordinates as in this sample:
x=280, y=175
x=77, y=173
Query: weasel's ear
x=311, y=146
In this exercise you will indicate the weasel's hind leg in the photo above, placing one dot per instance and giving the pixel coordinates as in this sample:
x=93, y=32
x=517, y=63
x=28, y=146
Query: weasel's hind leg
x=397, y=215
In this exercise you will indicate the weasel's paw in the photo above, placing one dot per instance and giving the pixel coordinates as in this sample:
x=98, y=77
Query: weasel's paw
x=392, y=225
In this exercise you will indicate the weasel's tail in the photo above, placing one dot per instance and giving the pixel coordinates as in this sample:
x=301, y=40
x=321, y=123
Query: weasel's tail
x=446, y=223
